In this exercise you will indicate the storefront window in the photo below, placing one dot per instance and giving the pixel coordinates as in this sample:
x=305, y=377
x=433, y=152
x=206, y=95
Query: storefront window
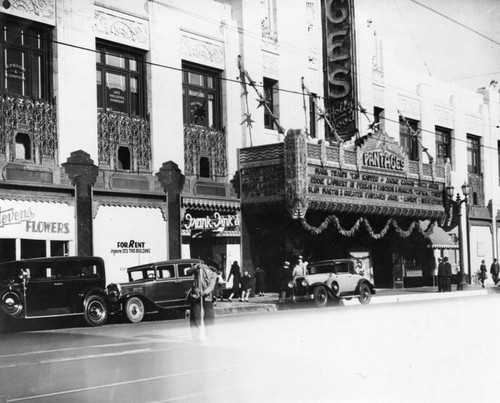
x=119, y=78
x=201, y=96
x=25, y=58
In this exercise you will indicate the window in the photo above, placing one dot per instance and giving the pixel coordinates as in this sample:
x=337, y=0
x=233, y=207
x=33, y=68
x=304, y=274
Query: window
x=408, y=138
x=473, y=156
x=24, y=58
x=204, y=167
x=120, y=80
x=498, y=159
x=124, y=158
x=166, y=271
x=23, y=146
x=443, y=143
x=312, y=115
x=378, y=118
x=201, y=96
x=182, y=269
x=271, y=96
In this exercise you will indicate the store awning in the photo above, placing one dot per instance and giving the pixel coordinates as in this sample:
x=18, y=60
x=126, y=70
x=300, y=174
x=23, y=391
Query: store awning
x=440, y=239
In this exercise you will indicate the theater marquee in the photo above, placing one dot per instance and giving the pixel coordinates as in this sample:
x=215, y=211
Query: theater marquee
x=373, y=178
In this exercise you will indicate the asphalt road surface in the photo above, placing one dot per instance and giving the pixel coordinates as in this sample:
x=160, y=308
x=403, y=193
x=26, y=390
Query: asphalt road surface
x=431, y=351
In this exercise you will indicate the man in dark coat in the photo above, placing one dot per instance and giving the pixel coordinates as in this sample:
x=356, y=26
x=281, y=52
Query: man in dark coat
x=447, y=274
x=440, y=275
x=494, y=270
x=285, y=278
x=201, y=293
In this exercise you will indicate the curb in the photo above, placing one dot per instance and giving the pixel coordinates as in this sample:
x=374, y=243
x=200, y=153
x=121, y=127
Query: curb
x=226, y=308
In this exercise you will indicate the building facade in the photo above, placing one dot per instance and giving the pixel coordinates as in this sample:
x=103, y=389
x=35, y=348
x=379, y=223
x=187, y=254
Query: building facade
x=135, y=130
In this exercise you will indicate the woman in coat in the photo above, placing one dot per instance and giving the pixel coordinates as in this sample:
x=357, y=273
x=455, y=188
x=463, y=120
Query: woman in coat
x=235, y=273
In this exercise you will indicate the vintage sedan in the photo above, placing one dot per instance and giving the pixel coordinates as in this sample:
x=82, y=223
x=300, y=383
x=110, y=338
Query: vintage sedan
x=153, y=287
x=333, y=280
x=54, y=286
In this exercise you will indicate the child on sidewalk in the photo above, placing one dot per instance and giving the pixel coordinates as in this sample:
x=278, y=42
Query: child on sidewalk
x=246, y=285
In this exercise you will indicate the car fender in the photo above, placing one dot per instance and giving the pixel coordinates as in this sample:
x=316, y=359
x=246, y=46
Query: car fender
x=364, y=281
x=327, y=285
x=149, y=305
x=93, y=291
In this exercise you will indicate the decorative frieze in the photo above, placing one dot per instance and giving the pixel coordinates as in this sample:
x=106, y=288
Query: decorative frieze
x=115, y=129
x=38, y=10
x=202, y=50
x=37, y=119
x=443, y=117
x=409, y=108
x=200, y=141
x=473, y=125
x=121, y=28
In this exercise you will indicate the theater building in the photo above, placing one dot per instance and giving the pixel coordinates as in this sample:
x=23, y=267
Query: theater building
x=144, y=130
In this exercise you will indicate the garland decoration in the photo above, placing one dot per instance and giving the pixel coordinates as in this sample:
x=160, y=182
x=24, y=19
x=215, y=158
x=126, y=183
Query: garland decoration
x=333, y=219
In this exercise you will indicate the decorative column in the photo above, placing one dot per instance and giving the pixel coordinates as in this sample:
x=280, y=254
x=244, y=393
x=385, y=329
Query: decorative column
x=82, y=172
x=172, y=181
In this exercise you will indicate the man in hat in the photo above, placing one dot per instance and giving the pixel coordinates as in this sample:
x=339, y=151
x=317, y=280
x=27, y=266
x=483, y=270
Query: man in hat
x=447, y=274
x=440, y=275
x=495, y=270
x=285, y=278
x=201, y=293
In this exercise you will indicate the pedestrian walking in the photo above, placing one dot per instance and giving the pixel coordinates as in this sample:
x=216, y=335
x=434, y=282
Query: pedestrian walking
x=219, y=287
x=285, y=279
x=482, y=272
x=495, y=270
x=260, y=282
x=235, y=273
x=447, y=275
x=246, y=285
x=201, y=309
x=441, y=280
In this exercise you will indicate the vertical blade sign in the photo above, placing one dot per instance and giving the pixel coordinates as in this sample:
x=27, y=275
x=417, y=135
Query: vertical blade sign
x=340, y=66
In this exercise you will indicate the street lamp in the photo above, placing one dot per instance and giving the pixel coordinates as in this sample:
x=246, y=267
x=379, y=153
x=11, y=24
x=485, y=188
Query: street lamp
x=450, y=190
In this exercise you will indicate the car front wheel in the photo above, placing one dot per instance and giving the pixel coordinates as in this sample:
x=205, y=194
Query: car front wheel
x=320, y=296
x=96, y=311
x=365, y=294
x=134, y=310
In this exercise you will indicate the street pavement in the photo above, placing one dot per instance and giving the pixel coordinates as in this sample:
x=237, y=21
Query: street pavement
x=269, y=302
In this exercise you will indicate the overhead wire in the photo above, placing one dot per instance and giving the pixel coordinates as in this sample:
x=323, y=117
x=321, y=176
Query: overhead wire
x=237, y=80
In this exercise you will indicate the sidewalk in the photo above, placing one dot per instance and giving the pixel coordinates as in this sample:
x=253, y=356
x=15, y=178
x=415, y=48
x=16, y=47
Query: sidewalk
x=269, y=302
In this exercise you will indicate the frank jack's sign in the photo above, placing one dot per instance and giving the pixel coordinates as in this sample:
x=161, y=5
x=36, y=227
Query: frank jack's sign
x=216, y=221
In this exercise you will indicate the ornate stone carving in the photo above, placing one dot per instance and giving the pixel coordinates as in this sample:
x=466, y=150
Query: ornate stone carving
x=410, y=108
x=115, y=129
x=34, y=117
x=200, y=141
x=118, y=28
x=443, y=117
x=202, y=50
x=34, y=9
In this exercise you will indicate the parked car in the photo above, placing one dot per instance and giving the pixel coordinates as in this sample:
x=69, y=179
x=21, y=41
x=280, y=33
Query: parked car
x=333, y=280
x=54, y=286
x=152, y=287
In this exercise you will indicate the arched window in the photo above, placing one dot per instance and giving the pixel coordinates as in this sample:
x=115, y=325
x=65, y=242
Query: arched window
x=204, y=167
x=23, y=146
x=123, y=160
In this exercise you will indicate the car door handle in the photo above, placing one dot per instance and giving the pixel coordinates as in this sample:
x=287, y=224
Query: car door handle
x=58, y=283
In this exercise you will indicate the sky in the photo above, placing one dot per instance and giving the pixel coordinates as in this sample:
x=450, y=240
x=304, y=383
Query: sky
x=456, y=41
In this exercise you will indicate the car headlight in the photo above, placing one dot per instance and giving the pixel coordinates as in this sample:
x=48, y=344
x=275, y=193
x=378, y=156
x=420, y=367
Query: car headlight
x=290, y=284
x=304, y=283
x=114, y=290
